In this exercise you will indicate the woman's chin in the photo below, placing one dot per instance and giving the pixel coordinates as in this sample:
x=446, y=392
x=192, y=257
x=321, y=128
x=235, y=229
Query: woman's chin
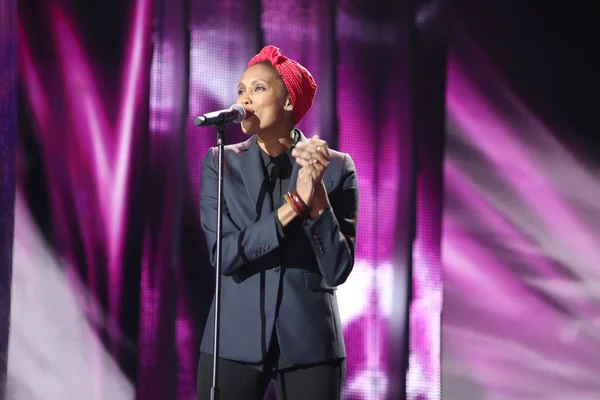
x=249, y=128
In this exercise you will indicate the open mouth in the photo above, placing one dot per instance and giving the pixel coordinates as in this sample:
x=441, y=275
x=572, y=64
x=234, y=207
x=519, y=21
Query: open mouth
x=249, y=113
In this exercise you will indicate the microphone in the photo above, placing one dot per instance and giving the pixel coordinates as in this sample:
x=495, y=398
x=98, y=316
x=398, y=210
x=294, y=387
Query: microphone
x=235, y=113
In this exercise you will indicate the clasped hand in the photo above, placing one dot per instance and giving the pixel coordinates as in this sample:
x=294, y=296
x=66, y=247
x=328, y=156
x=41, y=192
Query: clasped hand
x=313, y=156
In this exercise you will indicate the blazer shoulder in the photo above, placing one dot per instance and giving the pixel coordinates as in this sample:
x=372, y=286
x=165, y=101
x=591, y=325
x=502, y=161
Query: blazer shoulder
x=236, y=148
x=342, y=161
x=341, y=168
x=337, y=157
x=230, y=149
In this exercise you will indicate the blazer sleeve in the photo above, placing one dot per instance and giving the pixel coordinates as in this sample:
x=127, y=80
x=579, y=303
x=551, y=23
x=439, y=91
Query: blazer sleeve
x=333, y=233
x=240, y=247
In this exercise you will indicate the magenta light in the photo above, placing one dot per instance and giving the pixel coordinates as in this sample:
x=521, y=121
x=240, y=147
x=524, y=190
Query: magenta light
x=134, y=80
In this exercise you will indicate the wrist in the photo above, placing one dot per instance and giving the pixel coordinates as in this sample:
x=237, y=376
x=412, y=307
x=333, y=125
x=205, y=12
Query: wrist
x=286, y=214
x=320, y=201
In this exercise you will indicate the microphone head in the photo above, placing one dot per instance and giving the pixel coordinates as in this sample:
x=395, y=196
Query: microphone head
x=241, y=111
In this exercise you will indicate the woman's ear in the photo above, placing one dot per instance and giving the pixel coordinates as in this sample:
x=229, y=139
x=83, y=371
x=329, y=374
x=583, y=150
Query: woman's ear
x=288, y=104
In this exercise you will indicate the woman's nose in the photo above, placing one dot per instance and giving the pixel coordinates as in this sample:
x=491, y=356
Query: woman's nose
x=244, y=100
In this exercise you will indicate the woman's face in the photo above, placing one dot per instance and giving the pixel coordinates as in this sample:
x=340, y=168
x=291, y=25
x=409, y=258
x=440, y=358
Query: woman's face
x=264, y=96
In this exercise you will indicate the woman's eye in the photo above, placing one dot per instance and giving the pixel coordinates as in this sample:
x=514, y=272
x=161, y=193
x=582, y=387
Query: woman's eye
x=240, y=91
x=259, y=88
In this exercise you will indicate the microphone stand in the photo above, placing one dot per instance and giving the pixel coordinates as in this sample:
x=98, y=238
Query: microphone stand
x=214, y=391
x=220, y=119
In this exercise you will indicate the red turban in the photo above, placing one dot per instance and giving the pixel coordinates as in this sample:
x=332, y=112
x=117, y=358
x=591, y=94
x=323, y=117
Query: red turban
x=299, y=82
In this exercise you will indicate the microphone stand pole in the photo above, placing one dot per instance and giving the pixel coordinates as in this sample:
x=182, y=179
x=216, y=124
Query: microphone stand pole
x=214, y=391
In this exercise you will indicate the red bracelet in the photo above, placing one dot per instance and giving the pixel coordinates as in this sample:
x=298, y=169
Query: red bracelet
x=289, y=200
x=297, y=203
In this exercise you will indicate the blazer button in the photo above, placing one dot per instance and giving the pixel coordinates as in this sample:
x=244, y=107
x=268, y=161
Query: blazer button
x=276, y=269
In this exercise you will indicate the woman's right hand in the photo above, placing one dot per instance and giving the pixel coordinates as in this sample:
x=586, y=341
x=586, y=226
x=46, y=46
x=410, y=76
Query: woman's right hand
x=305, y=185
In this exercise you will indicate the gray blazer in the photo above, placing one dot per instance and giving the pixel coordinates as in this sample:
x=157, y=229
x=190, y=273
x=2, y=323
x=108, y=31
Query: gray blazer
x=289, y=285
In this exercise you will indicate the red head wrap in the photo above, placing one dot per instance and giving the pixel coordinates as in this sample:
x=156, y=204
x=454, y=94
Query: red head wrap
x=299, y=82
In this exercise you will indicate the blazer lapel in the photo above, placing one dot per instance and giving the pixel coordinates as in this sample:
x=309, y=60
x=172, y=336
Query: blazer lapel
x=254, y=179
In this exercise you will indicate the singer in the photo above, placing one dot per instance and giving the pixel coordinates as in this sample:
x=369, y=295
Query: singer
x=289, y=229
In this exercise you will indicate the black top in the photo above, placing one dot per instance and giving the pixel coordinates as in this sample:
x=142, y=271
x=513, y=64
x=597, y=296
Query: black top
x=278, y=172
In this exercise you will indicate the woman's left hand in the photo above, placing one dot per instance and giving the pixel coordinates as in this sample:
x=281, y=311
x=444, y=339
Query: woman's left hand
x=313, y=153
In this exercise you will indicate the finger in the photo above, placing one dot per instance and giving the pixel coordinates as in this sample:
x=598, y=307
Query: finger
x=300, y=150
x=311, y=143
x=315, y=139
x=311, y=153
x=320, y=167
x=317, y=143
x=313, y=146
x=308, y=155
x=319, y=158
x=304, y=157
x=302, y=162
x=300, y=146
x=324, y=150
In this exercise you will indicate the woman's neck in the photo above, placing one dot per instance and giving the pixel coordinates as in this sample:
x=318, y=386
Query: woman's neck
x=276, y=144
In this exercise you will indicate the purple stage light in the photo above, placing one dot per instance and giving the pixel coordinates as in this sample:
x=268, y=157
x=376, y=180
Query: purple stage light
x=520, y=309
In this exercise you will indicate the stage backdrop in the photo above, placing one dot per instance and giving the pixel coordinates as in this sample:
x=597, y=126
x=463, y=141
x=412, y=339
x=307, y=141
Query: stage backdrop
x=522, y=217
x=111, y=273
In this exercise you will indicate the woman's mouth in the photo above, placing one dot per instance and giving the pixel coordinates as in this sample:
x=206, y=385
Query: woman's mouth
x=249, y=113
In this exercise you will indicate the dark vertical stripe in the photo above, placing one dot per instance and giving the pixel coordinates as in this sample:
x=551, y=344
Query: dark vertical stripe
x=402, y=59
x=328, y=61
x=255, y=38
x=181, y=116
x=179, y=27
x=428, y=80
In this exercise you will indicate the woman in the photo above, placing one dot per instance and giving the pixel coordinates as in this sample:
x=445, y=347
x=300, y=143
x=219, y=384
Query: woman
x=289, y=229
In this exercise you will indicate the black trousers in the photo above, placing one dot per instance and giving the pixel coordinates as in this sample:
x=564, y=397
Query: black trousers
x=237, y=381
